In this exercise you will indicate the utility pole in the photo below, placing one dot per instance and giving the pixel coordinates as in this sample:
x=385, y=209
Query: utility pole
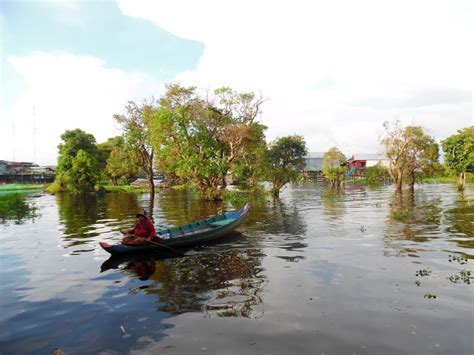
x=13, y=126
x=34, y=134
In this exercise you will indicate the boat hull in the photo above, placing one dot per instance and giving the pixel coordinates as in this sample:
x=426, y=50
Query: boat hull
x=208, y=231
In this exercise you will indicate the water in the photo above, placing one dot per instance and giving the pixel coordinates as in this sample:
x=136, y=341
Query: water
x=317, y=272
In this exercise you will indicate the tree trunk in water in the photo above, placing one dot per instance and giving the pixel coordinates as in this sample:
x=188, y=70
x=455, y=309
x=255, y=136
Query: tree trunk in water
x=411, y=183
x=398, y=182
x=151, y=204
x=462, y=181
x=151, y=184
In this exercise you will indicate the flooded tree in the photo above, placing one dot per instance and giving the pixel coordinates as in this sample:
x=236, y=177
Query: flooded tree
x=410, y=151
x=199, y=138
x=135, y=123
x=118, y=163
x=334, y=167
x=459, y=153
x=283, y=161
x=422, y=154
x=77, y=168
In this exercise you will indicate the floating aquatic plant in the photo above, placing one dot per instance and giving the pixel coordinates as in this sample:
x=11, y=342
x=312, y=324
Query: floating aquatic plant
x=423, y=272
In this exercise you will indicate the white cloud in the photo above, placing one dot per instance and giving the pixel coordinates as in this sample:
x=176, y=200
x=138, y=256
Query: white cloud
x=330, y=67
x=68, y=92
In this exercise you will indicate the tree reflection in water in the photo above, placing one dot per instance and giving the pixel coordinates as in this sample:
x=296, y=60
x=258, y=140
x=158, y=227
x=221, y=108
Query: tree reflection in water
x=227, y=284
x=460, y=222
x=178, y=207
x=413, y=217
x=333, y=203
x=16, y=208
x=85, y=216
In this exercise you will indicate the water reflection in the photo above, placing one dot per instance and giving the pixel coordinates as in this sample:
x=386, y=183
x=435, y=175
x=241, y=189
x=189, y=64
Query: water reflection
x=85, y=216
x=224, y=284
x=460, y=222
x=178, y=207
x=284, y=226
x=322, y=282
x=413, y=217
x=333, y=203
x=16, y=208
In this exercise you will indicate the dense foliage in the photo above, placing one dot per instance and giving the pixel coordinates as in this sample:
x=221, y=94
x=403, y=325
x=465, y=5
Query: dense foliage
x=334, y=166
x=411, y=153
x=459, y=153
x=15, y=207
x=199, y=139
x=135, y=123
x=283, y=161
x=377, y=174
x=78, y=162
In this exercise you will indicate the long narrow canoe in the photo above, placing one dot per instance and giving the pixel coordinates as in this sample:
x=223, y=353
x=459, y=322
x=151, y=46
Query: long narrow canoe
x=189, y=234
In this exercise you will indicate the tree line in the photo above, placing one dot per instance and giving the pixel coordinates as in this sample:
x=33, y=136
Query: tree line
x=412, y=155
x=198, y=139
x=190, y=138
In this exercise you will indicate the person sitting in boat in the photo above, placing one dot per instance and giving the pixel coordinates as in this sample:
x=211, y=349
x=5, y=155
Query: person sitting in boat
x=142, y=233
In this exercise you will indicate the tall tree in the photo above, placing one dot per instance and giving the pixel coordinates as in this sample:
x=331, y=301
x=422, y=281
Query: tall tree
x=135, y=124
x=395, y=142
x=84, y=172
x=334, y=166
x=200, y=138
x=459, y=153
x=77, y=161
x=72, y=142
x=284, y=161
x=422, y=154
x=122, y=164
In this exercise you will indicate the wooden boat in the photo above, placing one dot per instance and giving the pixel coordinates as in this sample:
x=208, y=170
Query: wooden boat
x=186, y=235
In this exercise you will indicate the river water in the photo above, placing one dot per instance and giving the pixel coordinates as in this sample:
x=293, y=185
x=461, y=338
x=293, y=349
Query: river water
x=358, y=271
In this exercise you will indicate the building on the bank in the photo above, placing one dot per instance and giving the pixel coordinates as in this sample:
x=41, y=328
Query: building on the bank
x=25, y=172
x=314, y=163
x=357, y=163
x=3, y=167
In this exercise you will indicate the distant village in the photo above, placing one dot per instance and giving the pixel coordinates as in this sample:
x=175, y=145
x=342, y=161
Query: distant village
x=27, y=172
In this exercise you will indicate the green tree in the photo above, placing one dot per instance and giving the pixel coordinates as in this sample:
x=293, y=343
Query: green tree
x=135, y=123
x=395, y=143
x=421, y=156
x=83, y=174
x=199, y=139
x=411, y=152
x=105, y=149
x=459, y=153
x=122, y=164
x=377, y=174
x=69, y=166
x=247, y=167
x=334, y=167
x=73, y=141
x=284, y=161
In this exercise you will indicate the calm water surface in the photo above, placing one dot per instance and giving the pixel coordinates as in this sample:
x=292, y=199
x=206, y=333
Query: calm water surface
x=316, y=272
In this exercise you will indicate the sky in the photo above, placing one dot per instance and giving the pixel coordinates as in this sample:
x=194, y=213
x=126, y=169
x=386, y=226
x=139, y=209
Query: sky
x=332, y=71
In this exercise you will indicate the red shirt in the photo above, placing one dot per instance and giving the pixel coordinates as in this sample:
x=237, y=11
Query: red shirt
x=144, y=229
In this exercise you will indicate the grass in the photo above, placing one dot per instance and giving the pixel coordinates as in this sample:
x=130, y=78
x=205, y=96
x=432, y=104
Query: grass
x=14, y=187
x=439, y=180
x=125, y=188
x=55, y=187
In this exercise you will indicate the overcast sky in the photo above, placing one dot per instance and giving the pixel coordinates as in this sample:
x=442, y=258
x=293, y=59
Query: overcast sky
x=333, y=71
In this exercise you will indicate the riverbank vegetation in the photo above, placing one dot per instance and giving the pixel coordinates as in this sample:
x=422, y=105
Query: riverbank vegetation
x=193, y=139
x=15, y=207
x=204, y=140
